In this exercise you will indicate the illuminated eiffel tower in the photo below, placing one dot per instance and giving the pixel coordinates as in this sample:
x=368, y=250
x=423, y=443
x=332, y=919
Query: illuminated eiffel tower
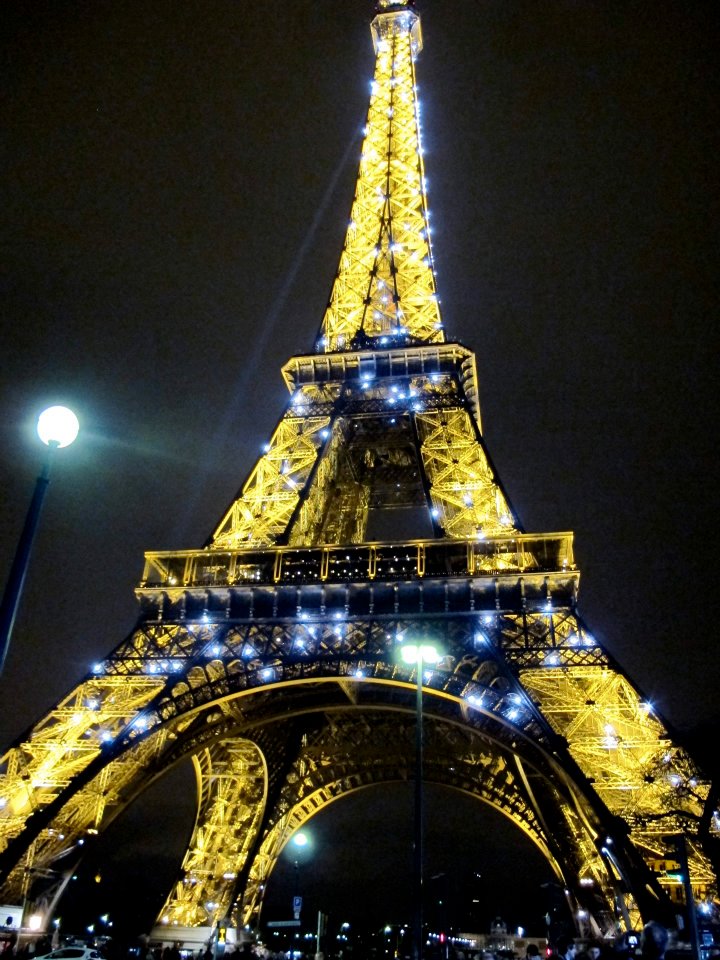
x=373, y=518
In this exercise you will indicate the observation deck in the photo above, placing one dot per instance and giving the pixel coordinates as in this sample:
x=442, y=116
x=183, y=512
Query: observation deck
x=524, y=571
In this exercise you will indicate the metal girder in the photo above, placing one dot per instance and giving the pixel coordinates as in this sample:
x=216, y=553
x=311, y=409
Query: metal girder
x=400, y=432
x=337, y=518
x=59, y=826
x=265, y=504
x=627, y=753
x=465, y=493
x=232, y=786
x=58, y=749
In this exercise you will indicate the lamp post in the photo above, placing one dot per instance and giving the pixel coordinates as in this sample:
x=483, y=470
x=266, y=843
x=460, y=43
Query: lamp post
x=418, y=654
x=303, y=842
x=57, y=427
x=300, y=840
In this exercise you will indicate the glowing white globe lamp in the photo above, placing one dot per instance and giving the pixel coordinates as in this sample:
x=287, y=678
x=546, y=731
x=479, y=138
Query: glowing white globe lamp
x=57, y=426
x=420, y=653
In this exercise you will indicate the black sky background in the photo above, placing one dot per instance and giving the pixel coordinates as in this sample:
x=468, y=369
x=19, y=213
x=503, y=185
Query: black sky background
x=177, y=178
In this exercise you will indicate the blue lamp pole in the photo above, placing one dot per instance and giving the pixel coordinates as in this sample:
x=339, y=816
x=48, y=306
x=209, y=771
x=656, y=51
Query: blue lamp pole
x=57, y=427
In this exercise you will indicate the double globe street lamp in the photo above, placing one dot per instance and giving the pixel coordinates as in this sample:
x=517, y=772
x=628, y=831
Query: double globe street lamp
x=418, y=654
x=57, y=427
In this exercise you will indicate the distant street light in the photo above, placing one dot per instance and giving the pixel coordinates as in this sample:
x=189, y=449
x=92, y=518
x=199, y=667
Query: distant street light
x=57, y=427
x=419, y=654
x=300, y=839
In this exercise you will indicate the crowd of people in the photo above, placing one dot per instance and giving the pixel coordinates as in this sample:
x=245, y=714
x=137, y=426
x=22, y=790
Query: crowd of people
x=651, y=944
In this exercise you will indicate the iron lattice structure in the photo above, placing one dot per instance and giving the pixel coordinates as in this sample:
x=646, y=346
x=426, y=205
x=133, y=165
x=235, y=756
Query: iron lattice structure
x=269, y=656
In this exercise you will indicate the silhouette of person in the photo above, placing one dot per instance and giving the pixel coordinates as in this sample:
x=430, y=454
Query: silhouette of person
x=653, y=941
x=565, y=948
x=624, y=946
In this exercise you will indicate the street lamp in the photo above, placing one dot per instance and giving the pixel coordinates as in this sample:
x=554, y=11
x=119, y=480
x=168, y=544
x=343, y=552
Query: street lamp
x=57, y=427
x=303, y=844
x=419, y=654
x=300, y=840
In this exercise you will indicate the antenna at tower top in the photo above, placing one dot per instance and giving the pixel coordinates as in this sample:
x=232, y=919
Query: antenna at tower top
x=389, y=5
x=392, y=16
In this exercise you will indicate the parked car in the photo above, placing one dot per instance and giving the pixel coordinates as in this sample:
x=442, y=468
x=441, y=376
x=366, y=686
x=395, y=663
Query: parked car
x=72, y=953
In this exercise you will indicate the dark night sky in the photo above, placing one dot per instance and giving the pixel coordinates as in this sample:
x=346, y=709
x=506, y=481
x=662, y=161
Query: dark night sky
x=176, y=180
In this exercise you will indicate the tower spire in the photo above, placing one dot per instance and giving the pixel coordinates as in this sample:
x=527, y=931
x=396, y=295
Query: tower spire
x=384, y=290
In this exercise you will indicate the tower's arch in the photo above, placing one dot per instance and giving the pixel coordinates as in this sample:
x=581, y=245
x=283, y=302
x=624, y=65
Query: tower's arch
x=282, y=718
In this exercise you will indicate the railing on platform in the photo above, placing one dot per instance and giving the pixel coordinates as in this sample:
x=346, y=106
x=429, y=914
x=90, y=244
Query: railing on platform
x=520, y=554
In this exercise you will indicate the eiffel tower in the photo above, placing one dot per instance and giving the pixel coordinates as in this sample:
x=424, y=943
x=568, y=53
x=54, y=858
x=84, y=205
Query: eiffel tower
x=270, y=656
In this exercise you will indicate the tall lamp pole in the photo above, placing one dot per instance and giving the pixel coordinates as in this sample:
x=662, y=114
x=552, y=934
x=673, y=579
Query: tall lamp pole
x=57, y=427
x=418, y=654
x=300, y=840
